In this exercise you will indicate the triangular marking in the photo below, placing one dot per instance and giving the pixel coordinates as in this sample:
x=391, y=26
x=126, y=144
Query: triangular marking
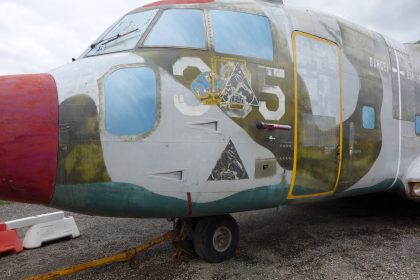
x=238, y=89
x=229, y=166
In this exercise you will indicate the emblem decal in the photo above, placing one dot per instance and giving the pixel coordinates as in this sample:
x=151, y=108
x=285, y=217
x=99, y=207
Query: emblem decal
x=237, y=97
x=229, y=167
x=238, y=89
x=202, y=88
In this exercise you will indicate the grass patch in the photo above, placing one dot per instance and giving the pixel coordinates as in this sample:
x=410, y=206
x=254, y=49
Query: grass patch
x=3, y=202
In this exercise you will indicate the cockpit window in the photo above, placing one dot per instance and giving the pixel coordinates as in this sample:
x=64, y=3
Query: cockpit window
x=242, y=34
x=131, y=101
x=124, y=35
x=182, y=28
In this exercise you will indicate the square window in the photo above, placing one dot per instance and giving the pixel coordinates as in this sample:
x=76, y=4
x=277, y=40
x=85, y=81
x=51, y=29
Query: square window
x=131, y=101
x=369, y=118
x=183, y=28
x=418, y=125
x=242, y=34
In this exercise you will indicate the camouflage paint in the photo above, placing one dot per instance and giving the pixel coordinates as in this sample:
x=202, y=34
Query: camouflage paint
x=156, y=175
x=367, y=142
x=80, y=155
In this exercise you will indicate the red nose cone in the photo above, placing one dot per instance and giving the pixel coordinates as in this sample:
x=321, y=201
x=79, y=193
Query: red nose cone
x=28, y=138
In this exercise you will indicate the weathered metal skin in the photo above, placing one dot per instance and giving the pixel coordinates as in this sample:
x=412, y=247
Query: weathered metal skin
x=350, y=96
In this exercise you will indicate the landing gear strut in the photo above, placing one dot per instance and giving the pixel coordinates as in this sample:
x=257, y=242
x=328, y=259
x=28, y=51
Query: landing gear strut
x=214, y=239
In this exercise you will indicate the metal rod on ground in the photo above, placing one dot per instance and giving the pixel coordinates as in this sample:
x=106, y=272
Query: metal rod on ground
x=121, y=257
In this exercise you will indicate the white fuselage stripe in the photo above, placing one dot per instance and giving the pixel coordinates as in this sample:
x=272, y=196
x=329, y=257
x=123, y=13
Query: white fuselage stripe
x=399, y=119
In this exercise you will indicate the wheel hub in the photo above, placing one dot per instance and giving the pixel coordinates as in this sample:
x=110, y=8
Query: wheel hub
x=222, y=239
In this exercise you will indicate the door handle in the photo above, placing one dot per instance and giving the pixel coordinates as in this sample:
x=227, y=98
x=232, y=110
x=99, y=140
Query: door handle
x=270, y=126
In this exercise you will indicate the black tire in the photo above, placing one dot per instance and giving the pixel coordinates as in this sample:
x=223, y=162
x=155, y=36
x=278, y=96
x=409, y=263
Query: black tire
x=216, y=238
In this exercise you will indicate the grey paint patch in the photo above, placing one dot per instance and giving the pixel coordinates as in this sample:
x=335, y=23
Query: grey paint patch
x=282, y=22
x=351, y=87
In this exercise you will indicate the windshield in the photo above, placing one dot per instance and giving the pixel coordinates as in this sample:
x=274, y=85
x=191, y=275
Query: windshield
x=242, y=34
x=182, y=28
x=125, y=34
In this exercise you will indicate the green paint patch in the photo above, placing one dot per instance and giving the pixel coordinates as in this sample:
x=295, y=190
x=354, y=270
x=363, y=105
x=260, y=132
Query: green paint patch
x=129, y=200
x=81, y=159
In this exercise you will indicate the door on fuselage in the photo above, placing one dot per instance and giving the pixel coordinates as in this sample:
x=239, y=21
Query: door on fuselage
x=318, y=117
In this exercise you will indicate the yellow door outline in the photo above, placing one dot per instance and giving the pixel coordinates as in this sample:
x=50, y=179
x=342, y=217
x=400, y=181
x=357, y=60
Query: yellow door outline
x=292, y=183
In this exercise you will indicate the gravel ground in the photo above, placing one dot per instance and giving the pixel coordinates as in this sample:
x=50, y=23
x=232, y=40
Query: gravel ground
x=368, y=237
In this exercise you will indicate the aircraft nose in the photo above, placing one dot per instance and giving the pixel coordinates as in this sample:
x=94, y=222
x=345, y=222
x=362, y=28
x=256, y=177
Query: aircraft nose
x=28, y=138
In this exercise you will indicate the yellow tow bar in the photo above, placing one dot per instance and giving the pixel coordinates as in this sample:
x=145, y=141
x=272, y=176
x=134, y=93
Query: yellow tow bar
x=121, y=257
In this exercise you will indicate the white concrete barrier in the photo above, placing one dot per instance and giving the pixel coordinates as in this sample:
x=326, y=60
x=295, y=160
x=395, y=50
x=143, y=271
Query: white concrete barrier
x=50, y=231
x=45, y=228
x=30, y=221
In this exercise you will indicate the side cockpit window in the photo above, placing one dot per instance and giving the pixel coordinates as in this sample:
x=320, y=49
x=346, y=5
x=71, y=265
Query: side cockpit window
x=242, y=34
x=130, y=101
x=183, y=28
x=124, y=35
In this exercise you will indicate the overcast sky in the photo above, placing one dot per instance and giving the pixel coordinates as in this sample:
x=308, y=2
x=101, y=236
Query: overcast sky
x=38, y=35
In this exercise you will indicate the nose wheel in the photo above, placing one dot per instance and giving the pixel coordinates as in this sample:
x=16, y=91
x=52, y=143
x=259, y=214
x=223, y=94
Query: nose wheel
x=216, y=238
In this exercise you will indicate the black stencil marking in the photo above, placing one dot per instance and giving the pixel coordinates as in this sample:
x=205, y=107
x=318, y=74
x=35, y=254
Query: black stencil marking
x=229, y=166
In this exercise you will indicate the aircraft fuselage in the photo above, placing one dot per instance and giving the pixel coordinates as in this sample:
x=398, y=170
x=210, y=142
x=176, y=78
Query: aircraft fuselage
x=201, y=109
